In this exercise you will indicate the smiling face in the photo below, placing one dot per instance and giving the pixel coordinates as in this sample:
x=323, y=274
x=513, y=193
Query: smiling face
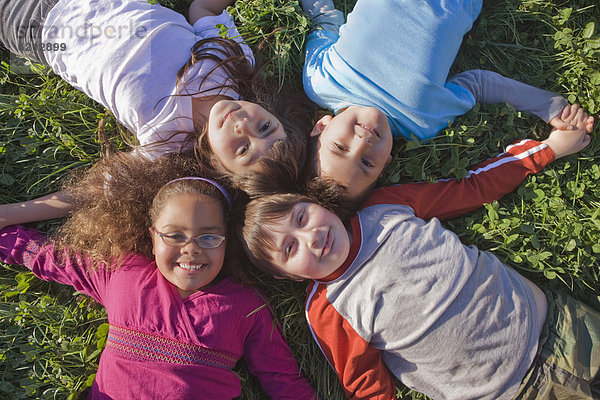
x=240, y=132
x=190, y=267
x=310, y=241
x=353, y=147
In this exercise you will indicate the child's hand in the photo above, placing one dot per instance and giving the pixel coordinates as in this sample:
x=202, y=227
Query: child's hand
x=203, y=8
x=323, y=14
x=574, y=137
x=561, y=122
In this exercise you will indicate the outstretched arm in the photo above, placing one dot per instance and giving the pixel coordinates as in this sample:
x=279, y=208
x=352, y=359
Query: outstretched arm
x=28, y=247
x=491, y=179
x=204, y=8
x=491, y=88
x=269, y=358
x=55, y=205
x=485, y=182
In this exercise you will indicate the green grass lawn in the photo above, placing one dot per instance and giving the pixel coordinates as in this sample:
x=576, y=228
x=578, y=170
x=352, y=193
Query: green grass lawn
x=548, y=229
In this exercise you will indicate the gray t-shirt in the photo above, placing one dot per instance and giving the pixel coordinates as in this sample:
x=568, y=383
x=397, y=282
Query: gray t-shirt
x=451, y=321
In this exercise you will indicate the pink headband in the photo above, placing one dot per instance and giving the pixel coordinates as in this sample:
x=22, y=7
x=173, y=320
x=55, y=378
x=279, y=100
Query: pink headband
x=215, y=184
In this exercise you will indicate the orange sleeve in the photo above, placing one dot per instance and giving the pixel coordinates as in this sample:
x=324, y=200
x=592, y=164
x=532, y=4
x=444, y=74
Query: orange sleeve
x=486, y=182
x=358, y=365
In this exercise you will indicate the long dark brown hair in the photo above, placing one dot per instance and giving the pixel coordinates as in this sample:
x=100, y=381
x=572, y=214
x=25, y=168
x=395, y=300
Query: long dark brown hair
x=292, y=108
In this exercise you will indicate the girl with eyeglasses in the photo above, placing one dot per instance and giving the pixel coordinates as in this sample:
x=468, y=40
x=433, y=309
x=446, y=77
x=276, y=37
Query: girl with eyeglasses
x=177, y=84
x=180, y=318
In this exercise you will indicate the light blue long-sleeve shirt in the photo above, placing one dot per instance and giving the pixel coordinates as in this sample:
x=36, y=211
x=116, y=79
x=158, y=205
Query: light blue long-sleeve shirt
x=396, y=55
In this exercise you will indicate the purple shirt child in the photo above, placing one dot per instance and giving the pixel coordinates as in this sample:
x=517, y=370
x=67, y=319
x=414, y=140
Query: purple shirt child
x=160, y=345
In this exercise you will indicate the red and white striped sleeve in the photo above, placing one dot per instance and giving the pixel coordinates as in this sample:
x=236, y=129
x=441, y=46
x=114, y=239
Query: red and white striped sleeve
x=485, y=182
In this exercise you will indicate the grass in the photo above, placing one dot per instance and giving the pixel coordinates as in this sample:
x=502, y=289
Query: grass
x=549, y=229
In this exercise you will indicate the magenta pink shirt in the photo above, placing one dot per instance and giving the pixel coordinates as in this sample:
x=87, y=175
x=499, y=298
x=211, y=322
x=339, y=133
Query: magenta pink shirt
x=160, y=345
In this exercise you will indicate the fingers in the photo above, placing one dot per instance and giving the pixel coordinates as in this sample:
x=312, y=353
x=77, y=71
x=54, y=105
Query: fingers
x=584, y=141
x=577, y=117
x=574, y=114
x=561, y=125
x=589, y=124
x=573, y=109
x=568, y=116
x=566, y=112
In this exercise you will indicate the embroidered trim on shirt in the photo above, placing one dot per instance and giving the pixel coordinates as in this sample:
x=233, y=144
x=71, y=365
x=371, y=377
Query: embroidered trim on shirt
x=142, y=346
x=31, y=251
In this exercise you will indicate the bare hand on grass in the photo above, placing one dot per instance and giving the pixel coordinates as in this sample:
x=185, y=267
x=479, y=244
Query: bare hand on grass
x=573, y=135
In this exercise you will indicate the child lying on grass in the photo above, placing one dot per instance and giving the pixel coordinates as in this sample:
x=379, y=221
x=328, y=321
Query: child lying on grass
x=393, y=293
x=155, y=250
x=384, y=74
x=176, y=84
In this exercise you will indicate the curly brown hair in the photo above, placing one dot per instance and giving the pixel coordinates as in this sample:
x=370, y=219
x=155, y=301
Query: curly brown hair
x=116, y=199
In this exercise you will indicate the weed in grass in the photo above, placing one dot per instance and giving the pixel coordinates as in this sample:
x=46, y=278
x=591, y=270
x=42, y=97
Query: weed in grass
x=50, y=344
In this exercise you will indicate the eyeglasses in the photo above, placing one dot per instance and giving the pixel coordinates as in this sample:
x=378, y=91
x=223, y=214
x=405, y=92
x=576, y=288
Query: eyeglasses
x=178, y=239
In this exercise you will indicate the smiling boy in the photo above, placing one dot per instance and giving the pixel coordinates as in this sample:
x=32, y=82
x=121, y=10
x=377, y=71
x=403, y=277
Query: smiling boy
x=393, y=57
x=393, y=293
x=353, y=148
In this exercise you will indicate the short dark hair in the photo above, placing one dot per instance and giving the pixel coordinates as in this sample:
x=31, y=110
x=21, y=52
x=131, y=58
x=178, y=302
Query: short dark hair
x=333, y=196
x=256, y=238
x=326, y=190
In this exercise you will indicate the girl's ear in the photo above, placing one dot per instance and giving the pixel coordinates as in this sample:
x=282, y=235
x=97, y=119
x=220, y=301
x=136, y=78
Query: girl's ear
x=320, y=125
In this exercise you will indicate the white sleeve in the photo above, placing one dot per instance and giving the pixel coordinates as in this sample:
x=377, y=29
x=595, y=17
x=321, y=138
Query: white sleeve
x=323, y=14
x=491, y=88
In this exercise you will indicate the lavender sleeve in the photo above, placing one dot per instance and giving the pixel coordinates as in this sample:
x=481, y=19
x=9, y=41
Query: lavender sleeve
x=31, y=248
x=269, y=358
x=491, y=88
